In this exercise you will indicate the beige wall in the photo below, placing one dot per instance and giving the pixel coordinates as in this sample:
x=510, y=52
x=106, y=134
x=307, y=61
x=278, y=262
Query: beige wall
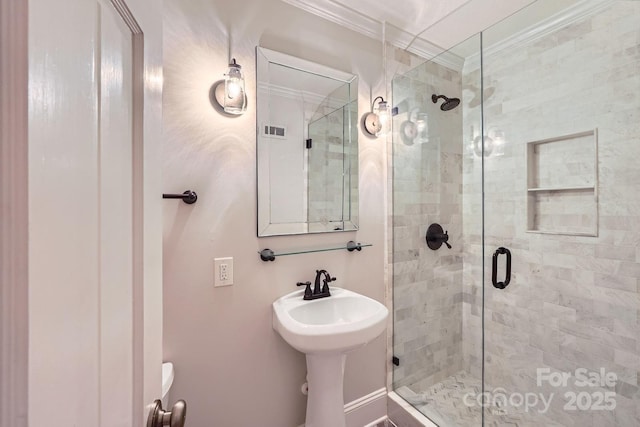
x=231, y=367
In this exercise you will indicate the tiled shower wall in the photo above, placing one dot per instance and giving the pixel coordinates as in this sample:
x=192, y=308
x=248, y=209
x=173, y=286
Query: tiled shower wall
x=427, y=188
x=326, y=189
x=573, y=301
x=332, y=179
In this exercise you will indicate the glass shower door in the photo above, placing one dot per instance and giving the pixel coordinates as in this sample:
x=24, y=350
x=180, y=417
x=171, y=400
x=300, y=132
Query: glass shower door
x=437, y=311
x=559, y=150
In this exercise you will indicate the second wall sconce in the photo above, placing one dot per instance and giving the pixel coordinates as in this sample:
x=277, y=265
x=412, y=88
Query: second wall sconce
x=232, y=96
x=378, y=120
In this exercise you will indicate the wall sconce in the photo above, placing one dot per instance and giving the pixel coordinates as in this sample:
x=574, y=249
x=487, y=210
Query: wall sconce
x=232, y=97
x=378, y=120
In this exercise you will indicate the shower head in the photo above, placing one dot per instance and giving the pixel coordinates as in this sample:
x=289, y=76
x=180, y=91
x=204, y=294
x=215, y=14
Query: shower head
x=448, y=104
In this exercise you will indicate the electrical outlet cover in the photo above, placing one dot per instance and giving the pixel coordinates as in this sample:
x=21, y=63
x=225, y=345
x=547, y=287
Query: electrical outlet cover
x=223, y=271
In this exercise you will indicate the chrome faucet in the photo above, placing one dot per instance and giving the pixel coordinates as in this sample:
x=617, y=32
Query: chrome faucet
x=318, y=292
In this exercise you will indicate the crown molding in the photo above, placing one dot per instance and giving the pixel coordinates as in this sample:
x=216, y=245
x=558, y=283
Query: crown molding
x=542, y=29
x=358, y=22
x=373, y=28
x=423, y=48
x=341, y=15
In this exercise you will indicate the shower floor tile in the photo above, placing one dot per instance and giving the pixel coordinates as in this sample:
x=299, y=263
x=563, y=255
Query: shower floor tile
x=444, y=404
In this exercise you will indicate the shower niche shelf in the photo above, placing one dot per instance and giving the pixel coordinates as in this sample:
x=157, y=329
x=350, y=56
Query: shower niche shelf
x=562, y=185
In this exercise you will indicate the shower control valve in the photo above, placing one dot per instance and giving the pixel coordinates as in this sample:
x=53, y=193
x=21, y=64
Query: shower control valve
x=436, y=236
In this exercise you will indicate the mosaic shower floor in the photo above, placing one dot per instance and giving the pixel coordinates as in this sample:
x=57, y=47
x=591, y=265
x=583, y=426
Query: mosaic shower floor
x=444, y=404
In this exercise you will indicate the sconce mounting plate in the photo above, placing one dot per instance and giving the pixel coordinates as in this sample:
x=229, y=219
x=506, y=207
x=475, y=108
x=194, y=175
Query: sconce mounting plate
x=372, y=123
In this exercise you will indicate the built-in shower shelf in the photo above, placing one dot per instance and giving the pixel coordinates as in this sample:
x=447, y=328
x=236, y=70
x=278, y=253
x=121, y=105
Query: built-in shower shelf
x=563, y=233
x=579, y=188
x=562, y=185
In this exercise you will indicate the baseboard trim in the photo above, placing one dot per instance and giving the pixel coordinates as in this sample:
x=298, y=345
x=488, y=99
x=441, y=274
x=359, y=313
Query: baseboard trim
x=365, y=400
x=403, y=414
x=367, y=410
x=378, y=421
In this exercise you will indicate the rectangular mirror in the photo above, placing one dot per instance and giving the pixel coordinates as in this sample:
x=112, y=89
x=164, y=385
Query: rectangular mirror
x=307, y=146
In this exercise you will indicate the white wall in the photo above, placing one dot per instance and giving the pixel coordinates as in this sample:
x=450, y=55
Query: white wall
x=232, y=368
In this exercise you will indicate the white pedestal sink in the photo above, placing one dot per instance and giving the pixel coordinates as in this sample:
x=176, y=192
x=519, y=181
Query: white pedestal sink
x=325, y=330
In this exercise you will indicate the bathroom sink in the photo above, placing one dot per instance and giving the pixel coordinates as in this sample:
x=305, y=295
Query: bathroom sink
x=325, y=329
x=342, y=322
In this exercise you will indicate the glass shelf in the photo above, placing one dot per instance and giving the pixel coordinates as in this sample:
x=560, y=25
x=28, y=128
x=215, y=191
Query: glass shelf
x=270, y=255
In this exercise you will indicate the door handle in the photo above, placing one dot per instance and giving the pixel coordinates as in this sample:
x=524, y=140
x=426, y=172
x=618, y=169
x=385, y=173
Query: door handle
x=494, y=270
x=161, y=418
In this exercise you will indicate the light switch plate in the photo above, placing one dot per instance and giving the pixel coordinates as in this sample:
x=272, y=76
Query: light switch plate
x=223, y=271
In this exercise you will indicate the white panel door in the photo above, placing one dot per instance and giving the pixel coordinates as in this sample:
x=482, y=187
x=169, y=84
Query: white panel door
x=115, y=140
x=87, y=301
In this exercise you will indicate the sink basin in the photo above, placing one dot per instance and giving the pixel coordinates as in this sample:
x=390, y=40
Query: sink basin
x=325, y=330
x=342, y=322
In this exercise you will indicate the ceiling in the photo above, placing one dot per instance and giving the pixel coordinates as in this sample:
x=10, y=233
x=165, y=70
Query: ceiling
x=428, y=27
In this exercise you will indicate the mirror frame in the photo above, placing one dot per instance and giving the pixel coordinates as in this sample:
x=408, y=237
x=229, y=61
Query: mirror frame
x=263, y=192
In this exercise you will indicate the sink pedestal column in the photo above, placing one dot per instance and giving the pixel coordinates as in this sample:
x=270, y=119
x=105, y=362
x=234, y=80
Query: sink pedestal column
x=325, y=401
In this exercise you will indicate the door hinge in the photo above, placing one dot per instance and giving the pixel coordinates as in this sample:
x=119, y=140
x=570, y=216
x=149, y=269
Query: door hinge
x=309, y=143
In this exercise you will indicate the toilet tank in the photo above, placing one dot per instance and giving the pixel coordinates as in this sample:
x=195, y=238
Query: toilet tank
x=167, y=382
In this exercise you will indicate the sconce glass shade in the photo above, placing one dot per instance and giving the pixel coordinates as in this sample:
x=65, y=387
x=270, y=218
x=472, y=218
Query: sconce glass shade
x=235, y=97
x=384, y=115
x=378, y=121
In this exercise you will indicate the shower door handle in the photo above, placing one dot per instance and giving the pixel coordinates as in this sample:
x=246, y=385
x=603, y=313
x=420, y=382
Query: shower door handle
x=494, y=270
